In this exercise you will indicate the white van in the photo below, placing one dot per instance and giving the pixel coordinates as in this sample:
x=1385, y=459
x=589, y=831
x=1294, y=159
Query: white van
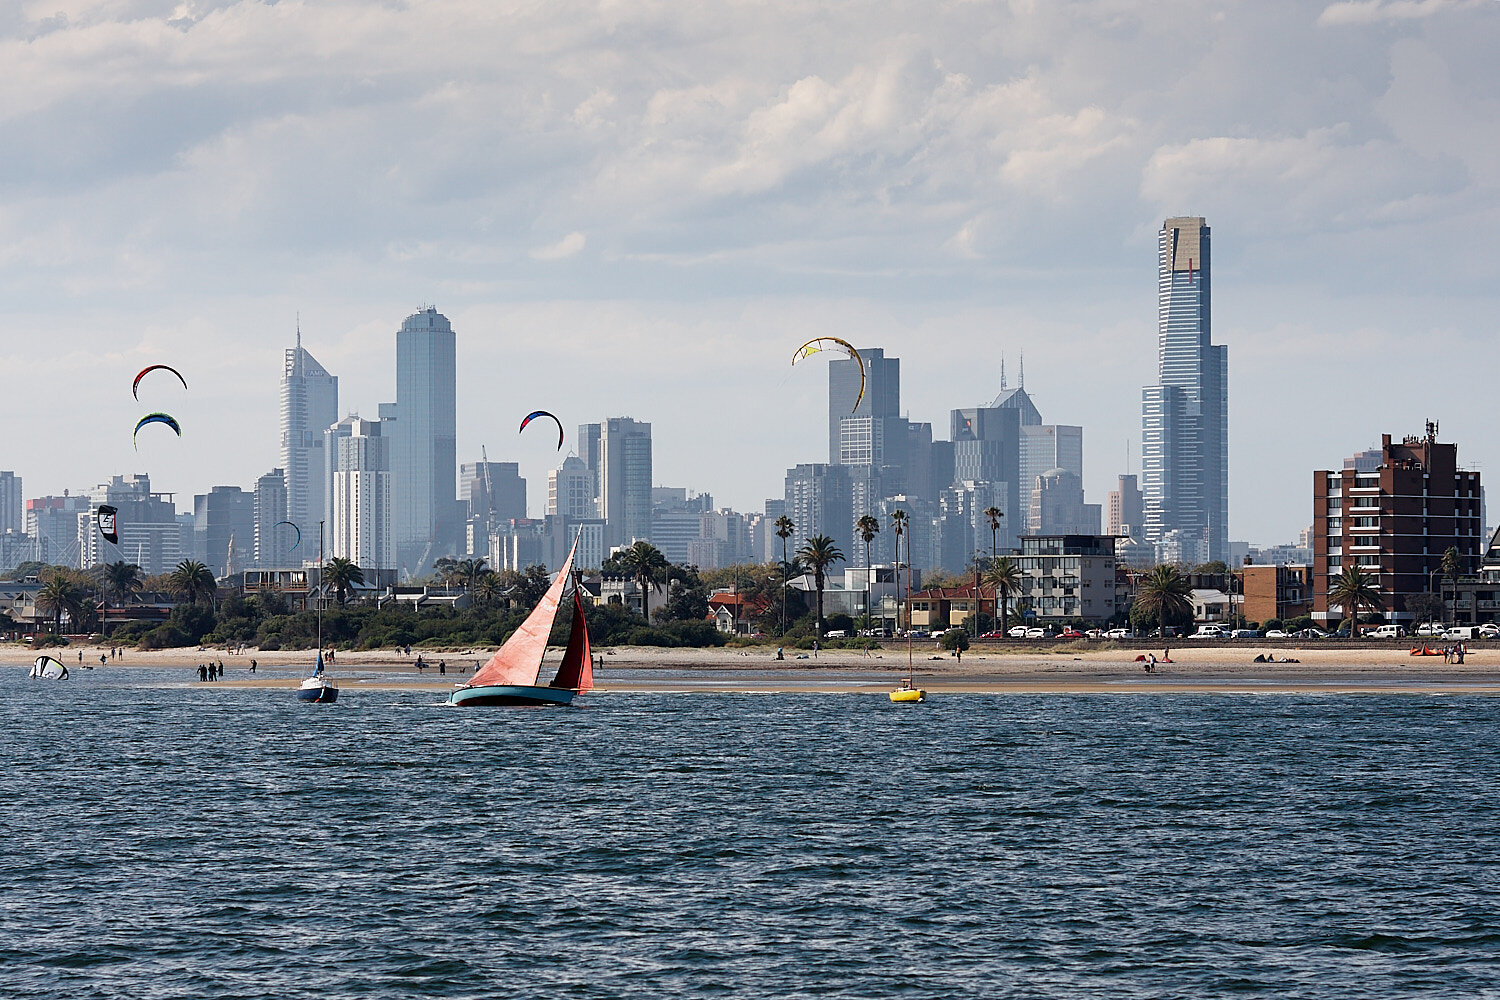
x=1388, y=632
x=1463, y=633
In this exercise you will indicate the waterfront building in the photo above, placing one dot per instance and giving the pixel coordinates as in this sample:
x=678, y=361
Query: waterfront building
x=1275, y=591
x=1127, y=510
x=1184, y=417
x=623, y=470
x=309, y=403
x=149, y=528
x=12, y=504
x=1070, y=577
x=361, y=527
x=272, y=544
x=224, y=527
x=1395, y=522
x=423, y=454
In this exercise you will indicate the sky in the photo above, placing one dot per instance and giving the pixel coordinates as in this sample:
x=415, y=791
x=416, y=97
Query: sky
x=641, y=209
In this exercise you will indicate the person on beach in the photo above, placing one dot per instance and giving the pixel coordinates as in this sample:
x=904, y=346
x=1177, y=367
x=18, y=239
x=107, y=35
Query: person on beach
x=202, y=672
x=252, y=666
x=815, y=649
x=1150, y=663
x=1461, y=648
x=442, y=668
x=80, y=656
x=779, y=656
x=103, y=660
x=420, y=665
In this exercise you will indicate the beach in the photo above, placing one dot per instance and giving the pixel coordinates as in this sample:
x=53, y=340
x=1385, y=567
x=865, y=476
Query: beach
x=1209, y=669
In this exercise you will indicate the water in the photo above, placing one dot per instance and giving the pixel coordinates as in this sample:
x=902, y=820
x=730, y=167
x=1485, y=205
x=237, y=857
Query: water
x=210, y=842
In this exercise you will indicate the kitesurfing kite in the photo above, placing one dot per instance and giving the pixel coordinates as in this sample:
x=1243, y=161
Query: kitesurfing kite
x=543, y=413
x=817, y=344
x=108, y=523
x=49, y=667
x=155, y=418
x=148, y=370
x=294, y=528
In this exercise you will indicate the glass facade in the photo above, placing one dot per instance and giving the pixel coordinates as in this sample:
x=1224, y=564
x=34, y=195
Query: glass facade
x=424, y=461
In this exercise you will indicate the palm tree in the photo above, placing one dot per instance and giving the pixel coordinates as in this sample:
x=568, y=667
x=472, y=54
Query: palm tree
x=122, y=579
x=1452, y=566
x=1165, y=594
x=819, y=552
x=193, y=580
x=1005, y=577
x=61, y=595
x=646, y=563
x=867, y=527
x=993, y=515
x=343, y=574
x=900, y=524
x=488, y=587
x=784, y=527
x=1352, y=591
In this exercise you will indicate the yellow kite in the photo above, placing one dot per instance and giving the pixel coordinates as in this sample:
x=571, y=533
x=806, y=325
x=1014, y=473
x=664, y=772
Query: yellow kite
x=817, y=344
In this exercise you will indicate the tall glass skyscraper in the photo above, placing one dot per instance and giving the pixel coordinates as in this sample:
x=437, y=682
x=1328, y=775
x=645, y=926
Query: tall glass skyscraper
x=424, y=459
x=309, y=405
x=1184, y=417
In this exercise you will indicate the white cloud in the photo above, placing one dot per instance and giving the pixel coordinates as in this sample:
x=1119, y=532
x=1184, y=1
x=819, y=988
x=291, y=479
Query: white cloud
x=563, y=248
x=1378, y=11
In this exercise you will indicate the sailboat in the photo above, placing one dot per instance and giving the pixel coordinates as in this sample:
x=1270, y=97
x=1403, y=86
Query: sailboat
x=510, y=676
x=907, y=691
x=319, y=687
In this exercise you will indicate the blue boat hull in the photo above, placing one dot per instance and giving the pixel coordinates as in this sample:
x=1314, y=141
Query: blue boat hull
x=511, y=694
x=322, y=695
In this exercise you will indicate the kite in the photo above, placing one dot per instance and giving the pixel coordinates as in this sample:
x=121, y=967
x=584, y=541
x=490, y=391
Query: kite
x=108, y=523
x=817, y=344
x=155, y=418
x=49, y=667
x=294, y=528
x=148, y=370
x=543, y=413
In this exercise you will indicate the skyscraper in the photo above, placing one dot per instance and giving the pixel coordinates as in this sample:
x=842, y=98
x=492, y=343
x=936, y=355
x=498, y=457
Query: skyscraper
x=1184, y=417
x=309, y=403
x=12, y=507
x=570, y=490
x=224, y=526
x=987, y=449
x=150, y=534
x=424, y=459
x=882, y=399
x=624, y=473
x=360, y=528
x=818, y=502
x=1126, y=509
x=273, y=545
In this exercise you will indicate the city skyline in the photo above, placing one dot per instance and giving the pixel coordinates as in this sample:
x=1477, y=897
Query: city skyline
x=672, y=218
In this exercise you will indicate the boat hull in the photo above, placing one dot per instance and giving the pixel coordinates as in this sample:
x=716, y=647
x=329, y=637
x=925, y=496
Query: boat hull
x=323, y=694
x=909, y=694
x=511, y=694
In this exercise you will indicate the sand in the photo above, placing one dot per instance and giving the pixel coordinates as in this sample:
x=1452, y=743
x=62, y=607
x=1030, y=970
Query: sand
x=1209, y=669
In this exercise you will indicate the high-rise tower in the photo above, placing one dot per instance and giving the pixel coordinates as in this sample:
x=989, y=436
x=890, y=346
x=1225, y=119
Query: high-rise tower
x=624, y=477
x=1184, y=417
x=424, y=459
x=309, y=404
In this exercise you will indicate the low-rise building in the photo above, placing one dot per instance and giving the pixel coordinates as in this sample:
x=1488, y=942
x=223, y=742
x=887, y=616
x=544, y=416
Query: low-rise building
x=1279, y=592
x=1070, y=576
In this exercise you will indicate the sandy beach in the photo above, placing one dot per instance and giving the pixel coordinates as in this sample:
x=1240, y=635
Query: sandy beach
x=1216, y=669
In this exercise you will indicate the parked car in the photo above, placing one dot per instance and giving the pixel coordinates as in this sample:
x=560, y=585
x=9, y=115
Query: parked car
x=1070, y=633
x=1312, y=633
x=1117, y=633
x=1245, y=633
x=1461, y=633
x=1388, y=632
x=1209, y=632
x=1036, y=633
x=993, y=635
x=1489, y=630
x=1017, y=631
x=837, y=633
x=1430, y=628
x=1277, y=633
x=921, y=633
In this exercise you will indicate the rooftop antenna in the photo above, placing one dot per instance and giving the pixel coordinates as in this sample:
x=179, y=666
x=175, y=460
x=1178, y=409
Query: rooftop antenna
x=299, y=329
x=1022, y=376
x=1002, y=371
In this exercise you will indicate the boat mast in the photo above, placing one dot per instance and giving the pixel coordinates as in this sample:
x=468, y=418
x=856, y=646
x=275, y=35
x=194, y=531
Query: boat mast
x=908, y=605
x=320, y=589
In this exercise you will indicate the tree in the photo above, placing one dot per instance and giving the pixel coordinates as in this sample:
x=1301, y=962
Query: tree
x=1452, y=566
x=867, y=527
x=192, y=579
x=993, y=515
x=784, y=528
x=819, y=552
x=1005, y=577
x=645, y=562
x=121, y=579
x=60, y=595
x=342, y=574
x=1165, y=597
x=901, y=525
x=1425, y=607
x=487, y=588
x=1352, y=591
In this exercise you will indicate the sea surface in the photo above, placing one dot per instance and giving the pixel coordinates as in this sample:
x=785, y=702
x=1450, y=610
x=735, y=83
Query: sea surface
x=167, y=840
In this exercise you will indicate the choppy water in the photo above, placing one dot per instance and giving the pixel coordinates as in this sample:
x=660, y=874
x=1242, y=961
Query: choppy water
x=204, y=842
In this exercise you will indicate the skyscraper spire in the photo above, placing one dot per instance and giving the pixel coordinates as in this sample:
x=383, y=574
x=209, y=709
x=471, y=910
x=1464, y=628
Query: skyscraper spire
x=299, y=329
x=1023, y=368
x=1002, y=371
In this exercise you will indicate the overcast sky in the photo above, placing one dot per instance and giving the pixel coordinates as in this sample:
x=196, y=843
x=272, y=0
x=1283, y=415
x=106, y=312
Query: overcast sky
x=641, y=208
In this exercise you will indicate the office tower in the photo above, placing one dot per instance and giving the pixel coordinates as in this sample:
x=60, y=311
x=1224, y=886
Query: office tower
x=1126, y=510
x=1184, y=417
x=492, y=491
x=881, y=402
x=1057, y=507
x=624, y=470
x=12, y=505
x=1045, y=447
x=52, y=525
x=150, y=532
x=677, y=520
x=986, y=445
x=309, y=403
x=965, y=531
x=424, y=460
x=273, y=544
x=1017, y=399
x=1394, y=522
x=818, y=502
x=224, y=520
x=360, y=526
x=570, y=490
x=924, y=534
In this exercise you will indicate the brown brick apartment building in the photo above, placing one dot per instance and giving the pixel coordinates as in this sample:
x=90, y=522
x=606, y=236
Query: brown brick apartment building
x=1394, y=522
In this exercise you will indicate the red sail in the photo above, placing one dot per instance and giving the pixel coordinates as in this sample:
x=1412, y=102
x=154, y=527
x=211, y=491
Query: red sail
x=520, y=659
x=577, y=670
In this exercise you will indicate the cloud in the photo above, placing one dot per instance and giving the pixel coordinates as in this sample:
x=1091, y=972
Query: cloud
x=565, y=247
x=1380, y=11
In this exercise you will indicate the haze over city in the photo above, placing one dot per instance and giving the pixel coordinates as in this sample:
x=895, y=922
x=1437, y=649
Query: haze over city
x=641, y=210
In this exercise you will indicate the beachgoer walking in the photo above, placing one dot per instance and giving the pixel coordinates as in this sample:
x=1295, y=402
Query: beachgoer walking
x=815, y=649
x=1150, y=663
x=202, y=672
x=103, y=660
x=442, y=668
x=80, y=656
x=252, y=666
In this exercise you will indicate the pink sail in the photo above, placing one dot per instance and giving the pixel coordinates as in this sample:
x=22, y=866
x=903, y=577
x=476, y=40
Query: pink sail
x=519, y=661
x=577, y=670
